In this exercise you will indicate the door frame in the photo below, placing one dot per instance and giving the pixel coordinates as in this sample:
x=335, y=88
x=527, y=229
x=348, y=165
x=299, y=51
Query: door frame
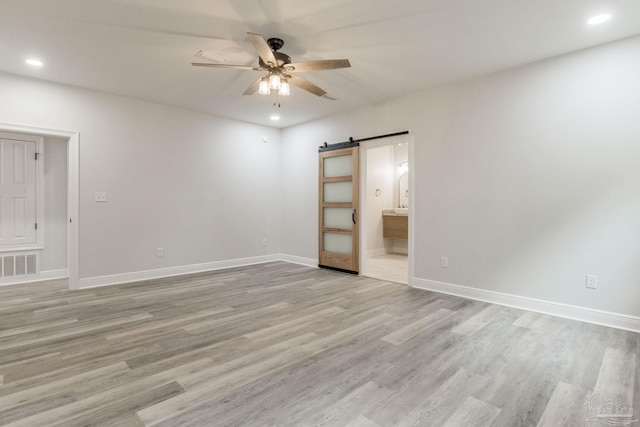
x=364, y=147
x=73, y=191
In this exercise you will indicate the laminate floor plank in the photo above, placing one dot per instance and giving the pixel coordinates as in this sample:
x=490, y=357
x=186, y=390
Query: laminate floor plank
x=478, y=321
x=309, y=308
x=39, y=327
x=155, y=324
x=473, y=412
x=280, y=344
x=219, y=351
x=565, y=408
x=617, y=376
x=326, y=379
x=350, y=407
x=292, y=327
x=36, y=406
x=123, y=394
x=409, y=393
x=25, y=395
x=413, y=329
x=205, y=388
x=63, y=335
x=297, y=391
x=50, y=372
x=361, y=421
x=440, y=405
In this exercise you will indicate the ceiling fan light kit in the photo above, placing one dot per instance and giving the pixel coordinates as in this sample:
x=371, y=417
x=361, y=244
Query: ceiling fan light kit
x=274, y=81
x=264, y=88
x=284, y=88
x=280, y=70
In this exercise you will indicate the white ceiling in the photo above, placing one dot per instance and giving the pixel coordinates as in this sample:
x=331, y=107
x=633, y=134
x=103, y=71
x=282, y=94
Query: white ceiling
x=143, y=48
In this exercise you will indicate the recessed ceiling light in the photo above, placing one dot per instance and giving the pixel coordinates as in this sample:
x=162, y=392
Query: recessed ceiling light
x=599, y=19
x=275, y=118
x=34, y=62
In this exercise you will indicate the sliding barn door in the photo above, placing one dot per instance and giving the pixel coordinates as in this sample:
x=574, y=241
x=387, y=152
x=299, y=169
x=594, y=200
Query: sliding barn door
x=338, y=209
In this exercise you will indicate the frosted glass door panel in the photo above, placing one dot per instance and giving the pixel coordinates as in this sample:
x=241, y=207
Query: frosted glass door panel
x=338, y=166
x=338, y=218
x=338, y=243
x=338, y=191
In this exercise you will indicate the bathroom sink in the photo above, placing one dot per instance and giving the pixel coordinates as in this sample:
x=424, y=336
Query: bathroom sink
x=401, y=211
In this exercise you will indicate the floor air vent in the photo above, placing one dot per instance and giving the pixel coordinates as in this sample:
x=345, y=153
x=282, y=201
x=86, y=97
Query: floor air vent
x=19, y=264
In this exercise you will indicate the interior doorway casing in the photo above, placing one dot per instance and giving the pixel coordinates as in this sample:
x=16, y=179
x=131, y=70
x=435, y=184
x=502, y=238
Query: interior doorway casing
x=73, y=190
x=364, y=193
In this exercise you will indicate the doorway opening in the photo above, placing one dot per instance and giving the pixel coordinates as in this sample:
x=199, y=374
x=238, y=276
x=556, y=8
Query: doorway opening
x=386, y=209
x=60, y=157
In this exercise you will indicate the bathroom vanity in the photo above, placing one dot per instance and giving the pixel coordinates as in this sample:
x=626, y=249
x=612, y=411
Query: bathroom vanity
x=395, y=224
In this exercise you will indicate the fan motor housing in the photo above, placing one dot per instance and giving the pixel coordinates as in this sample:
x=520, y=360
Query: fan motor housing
x=281, y=58
x=275, y=43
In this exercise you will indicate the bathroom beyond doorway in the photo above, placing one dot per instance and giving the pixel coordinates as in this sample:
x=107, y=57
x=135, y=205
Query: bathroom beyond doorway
x=385, y=187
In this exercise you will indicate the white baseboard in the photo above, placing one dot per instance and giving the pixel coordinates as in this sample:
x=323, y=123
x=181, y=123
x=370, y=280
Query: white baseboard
x=384, y=251
x=589, y=315
x=377, y=251
x=309, y=262
x=40, y=277
x=400, y=250
x=137, y=276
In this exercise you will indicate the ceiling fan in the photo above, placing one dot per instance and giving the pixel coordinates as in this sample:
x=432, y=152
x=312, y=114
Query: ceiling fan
x=280, y=70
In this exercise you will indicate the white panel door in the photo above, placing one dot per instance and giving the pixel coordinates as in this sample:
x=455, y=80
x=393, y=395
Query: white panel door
x=17, y=192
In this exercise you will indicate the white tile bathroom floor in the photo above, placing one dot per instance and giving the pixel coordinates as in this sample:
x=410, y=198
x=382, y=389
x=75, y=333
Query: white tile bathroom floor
x=391, y=267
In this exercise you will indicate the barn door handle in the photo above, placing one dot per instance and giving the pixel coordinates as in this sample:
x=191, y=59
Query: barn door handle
x=353, y=216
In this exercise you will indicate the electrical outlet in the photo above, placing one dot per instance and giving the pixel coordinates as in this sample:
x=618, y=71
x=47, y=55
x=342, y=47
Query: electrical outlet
x=265, y=242
x=101, y=196
x=160, y=252
x=444, y=261
x=591, y=281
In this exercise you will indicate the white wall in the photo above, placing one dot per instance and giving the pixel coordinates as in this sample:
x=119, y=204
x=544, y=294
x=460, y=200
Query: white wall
x=379, y=176
x=526, y=179
x=203, y=188
x=54, y=255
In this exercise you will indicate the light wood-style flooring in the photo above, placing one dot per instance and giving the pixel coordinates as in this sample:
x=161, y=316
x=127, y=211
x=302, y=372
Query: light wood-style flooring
x=285, y=345
x=390, y=267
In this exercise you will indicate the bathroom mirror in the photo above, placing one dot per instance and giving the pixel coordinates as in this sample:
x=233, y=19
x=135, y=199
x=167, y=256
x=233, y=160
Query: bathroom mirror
x=403, y=191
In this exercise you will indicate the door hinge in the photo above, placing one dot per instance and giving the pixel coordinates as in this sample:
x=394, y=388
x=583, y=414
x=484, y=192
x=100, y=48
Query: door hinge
x=37, y=154
x=36, y=225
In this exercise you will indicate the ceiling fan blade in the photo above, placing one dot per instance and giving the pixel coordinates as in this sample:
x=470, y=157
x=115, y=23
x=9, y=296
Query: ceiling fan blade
x=253, y=88
x=236, y=67
x=325, y=64
x=263, y=49
x=306, y=85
